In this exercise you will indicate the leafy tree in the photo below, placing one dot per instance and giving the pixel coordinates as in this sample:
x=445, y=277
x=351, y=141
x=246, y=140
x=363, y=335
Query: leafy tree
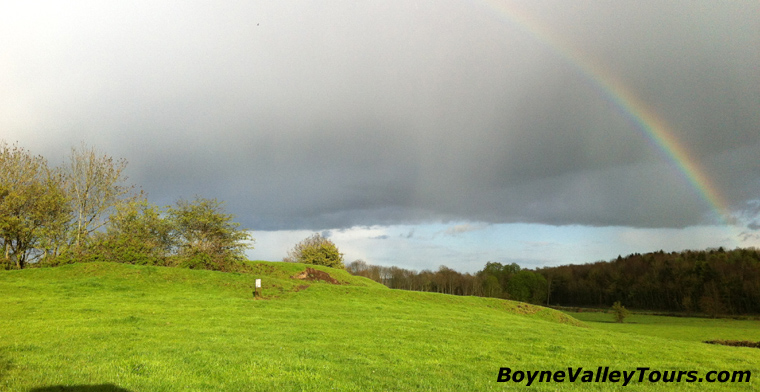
x=32, y=205
x=95, y=187
x=495, y=277
x=527, y=286
x=620, y=312
x=206, y=236
x=491, y=286
x=316, y=250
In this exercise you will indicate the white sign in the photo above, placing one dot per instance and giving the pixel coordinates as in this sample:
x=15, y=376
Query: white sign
x=258, y=283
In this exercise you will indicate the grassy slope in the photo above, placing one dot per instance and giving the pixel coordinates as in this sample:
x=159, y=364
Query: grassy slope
x=678, y=328
x=162, y=329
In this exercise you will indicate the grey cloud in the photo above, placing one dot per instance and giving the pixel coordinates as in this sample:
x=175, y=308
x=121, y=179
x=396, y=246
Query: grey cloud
x=313, y=117
x=745, y=236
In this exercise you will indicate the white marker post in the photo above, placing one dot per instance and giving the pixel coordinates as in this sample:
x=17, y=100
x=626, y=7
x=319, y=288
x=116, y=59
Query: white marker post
x=257, y=293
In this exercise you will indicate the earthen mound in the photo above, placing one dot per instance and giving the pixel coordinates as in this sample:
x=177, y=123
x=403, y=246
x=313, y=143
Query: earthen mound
x=312, y=274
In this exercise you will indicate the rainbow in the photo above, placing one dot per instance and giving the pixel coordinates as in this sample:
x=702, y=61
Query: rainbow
x=645, y=120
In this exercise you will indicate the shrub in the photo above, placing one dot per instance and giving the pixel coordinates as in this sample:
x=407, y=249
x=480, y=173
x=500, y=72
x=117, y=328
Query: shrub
x=316, y=250
x=620, y=312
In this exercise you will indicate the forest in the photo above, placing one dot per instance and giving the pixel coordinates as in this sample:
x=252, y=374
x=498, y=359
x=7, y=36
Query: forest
x=713, y=282
x=710, y=282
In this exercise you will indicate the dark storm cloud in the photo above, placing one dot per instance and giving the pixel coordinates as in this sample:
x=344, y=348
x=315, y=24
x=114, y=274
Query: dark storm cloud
x=333, y=115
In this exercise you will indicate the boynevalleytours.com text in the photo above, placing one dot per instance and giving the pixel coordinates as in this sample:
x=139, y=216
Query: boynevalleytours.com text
x=603, y=374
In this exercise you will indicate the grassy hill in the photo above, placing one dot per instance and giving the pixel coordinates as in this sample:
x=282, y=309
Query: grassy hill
x=136, y=328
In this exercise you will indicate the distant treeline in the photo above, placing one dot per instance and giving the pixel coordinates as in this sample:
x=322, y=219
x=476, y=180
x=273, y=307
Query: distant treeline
x=713, y=281
x=495, y=280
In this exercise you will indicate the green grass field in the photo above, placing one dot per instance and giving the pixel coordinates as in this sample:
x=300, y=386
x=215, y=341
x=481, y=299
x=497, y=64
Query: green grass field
x=677, y=328
x=168, y=329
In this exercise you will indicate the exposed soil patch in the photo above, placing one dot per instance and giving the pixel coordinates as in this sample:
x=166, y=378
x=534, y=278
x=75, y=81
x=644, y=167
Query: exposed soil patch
x=312, y=274
x=736, y=343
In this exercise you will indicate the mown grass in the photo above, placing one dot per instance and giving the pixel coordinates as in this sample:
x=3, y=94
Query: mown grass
x=678, y=328
x=163, y=329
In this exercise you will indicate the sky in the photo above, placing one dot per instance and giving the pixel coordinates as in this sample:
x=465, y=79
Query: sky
x=411, y=133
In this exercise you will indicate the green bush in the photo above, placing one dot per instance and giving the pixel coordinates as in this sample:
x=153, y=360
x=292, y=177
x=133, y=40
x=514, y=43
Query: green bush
x=620, y=312
x=197, y=261
x=316, y=250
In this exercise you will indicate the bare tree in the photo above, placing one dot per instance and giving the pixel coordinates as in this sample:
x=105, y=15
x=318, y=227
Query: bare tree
x=94, y=183
x=357, y=267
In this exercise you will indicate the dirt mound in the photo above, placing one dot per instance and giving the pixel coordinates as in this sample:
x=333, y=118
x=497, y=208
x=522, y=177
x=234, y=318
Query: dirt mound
x=736, y=343
x=312, y=274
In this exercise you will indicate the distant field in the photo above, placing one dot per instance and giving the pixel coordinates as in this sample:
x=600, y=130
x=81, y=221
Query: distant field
x=678, y=328
x=164, y=329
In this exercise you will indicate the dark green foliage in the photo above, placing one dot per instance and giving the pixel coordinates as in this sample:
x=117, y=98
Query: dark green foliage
x=712, y=282
x=316, y=250
x=495, y=278
x=527, y=286
x=491, y=286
